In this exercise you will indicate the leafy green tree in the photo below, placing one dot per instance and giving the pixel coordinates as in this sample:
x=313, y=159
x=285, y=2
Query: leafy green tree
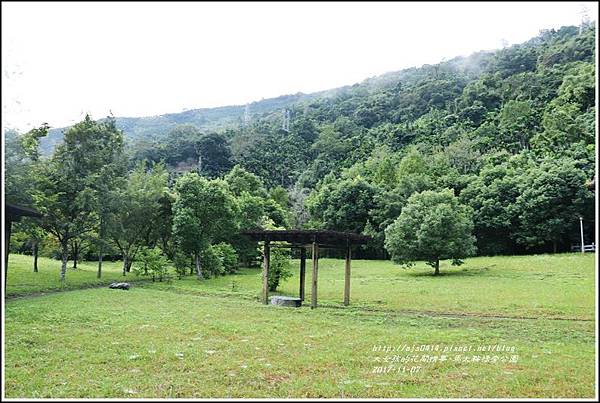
x=493, y=195
x=240, y=180
x=342, y=206
x=204, y=212
x=250, y=216
x=280, y=196
x=432, y=226
x=66, y=192
x=552, y=197
x=215, y=155
x=517, y=123
x=131, y=224
x=567, y=118
x=181, y=145
x=112, y=176
x=22, y=165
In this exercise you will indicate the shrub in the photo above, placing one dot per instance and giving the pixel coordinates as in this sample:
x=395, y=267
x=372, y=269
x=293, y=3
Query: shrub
x=280, y=267
x=152, y=263
x=228, y=257
x=211, y=263
x=182, y=264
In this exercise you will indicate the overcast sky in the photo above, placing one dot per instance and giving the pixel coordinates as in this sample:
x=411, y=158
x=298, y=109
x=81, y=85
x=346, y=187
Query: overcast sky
x=61, y=60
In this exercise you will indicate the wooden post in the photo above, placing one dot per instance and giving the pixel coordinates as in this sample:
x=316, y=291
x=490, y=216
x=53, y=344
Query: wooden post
x=347, y=277
x=315, y=270
x=266, y=263
x=7, y=230
x=302, y=272
x=581, y=231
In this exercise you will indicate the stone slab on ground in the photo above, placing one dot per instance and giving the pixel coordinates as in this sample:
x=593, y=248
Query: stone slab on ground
x=119, y=286
x=286, y=301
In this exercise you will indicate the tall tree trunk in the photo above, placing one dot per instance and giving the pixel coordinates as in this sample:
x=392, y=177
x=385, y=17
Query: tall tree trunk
x=129, y=263
x=99, y=274
x=35, y=256
x=65, y=258
x=100, y=247
x=75, y=250
x=125, y=259
x=198, y=267
x=554, y=248
x=437, y=267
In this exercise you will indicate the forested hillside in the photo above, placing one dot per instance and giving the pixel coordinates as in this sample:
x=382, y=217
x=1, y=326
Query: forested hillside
x=511, y=132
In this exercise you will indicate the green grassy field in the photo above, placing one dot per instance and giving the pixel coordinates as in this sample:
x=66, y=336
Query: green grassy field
x=22, y=280
x=214, y=339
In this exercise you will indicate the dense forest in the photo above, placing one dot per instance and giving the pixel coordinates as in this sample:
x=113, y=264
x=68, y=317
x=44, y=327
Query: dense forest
x=511, y=133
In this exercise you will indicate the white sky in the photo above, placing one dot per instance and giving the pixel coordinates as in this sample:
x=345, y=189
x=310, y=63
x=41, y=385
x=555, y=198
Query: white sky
x=61, y=60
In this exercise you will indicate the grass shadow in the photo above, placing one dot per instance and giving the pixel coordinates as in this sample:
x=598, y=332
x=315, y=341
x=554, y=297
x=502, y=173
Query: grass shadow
x=467, y=271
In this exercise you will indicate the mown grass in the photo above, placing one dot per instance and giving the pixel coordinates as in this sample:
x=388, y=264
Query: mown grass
x=22, y=280
x=559, y=286
x=214, y=339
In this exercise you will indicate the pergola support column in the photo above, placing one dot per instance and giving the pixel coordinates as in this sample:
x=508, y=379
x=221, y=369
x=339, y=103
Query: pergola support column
x=266, y=264
x=302, y=272
x=347, y=277
x=315, y=272
x=7, y=231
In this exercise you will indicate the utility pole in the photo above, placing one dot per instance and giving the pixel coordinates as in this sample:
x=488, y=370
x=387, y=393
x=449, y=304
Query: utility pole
x=247, y=115
x=285, y=124
x=585, y=18
x=581, y=230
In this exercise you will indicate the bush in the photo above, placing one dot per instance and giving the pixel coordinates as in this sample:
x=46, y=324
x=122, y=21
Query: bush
x=280, y=267
x=211, y=263
x=182, y=263
x=152, y=263
x=228, y=257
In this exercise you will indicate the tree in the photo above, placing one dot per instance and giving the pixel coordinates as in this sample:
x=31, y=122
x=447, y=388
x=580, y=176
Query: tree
x=204, y=212
x=112, y=176
x=35, y=235
x=552, y=197
x=181, y=145
x=240, y=180
x=131, y=224
x=214, y=155
x=22, y=164
x=568, y=118
x=493, y=195
x=432, y=226
x=66, y=192
x=342, y=206
x=517, y=124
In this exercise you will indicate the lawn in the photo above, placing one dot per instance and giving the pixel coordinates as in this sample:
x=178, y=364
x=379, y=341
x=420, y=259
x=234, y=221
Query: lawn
x=214, y=339
x=22, y=280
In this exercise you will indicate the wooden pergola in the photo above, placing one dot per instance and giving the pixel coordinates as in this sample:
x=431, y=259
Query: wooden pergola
x=303, y=239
